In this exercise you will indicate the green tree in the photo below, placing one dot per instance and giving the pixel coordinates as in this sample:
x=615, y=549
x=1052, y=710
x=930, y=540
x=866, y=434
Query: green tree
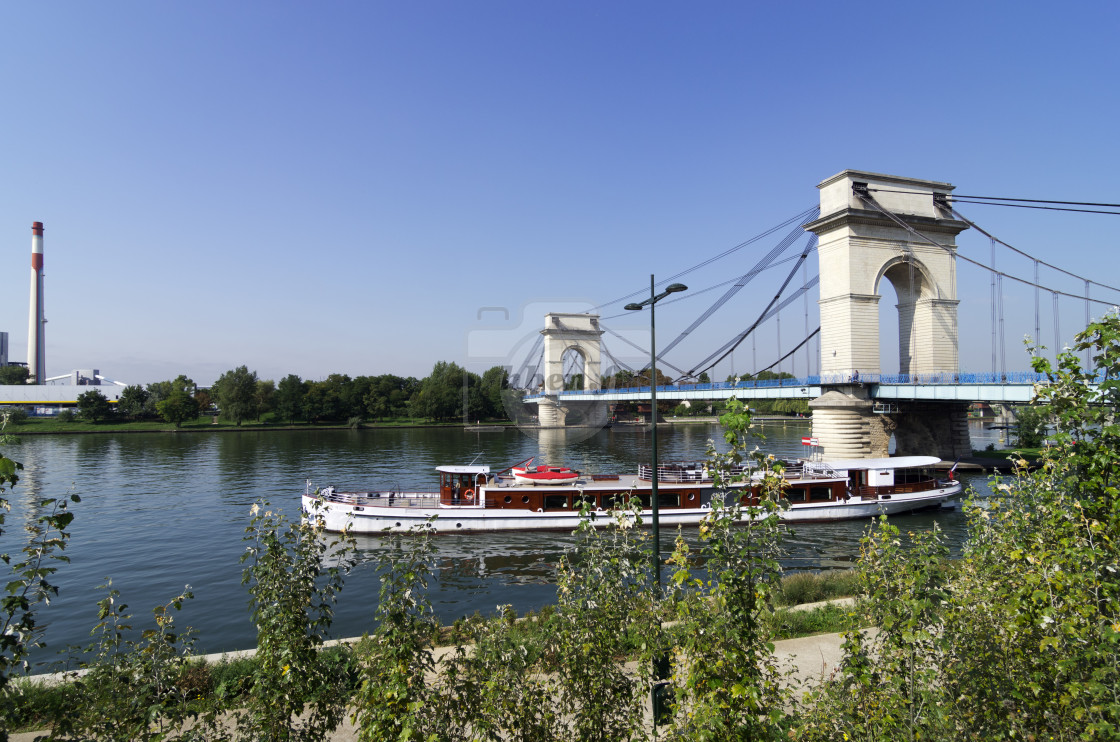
x=14, y=374
x=161, y=390
x=236, y=392
x=133, y=403
x=1030, y=425
x=178, y=408
x=494, y=382
x=289, y=398
x=94, y=406
x=441, y=394
x=264, y=397
x=389, y=395
x=321, y=402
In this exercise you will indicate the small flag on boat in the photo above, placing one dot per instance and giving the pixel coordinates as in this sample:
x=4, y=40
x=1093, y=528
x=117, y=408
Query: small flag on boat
x=953, y=468
x=807, y=441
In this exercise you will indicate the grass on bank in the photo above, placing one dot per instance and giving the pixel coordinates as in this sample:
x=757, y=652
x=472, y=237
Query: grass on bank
x=44, y=425
x=1030, y=454
x=230, y=679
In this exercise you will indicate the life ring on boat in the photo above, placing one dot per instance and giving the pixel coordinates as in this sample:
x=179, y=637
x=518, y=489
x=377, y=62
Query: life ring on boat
x=469, y=495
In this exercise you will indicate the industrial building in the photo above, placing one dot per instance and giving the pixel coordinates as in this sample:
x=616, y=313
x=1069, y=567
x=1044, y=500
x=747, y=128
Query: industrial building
x=45, y=395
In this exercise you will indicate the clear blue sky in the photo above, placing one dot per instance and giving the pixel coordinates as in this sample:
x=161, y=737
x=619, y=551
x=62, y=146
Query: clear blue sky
x=340, y=187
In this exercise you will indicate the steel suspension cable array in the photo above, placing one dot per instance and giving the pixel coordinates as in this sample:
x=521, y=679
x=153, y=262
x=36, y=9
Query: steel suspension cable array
x=875, y=205
x=731, y=346
x=800, y=345
x=1020, y=203
x=801, y=218
x=743, y=280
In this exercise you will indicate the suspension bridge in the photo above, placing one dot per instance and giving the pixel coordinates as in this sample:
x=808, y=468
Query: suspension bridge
x=869, y=231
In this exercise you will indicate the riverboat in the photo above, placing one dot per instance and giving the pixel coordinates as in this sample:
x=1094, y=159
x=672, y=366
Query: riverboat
x=472, y=499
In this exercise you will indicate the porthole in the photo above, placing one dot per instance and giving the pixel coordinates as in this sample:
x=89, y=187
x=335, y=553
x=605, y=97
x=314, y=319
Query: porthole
x=458, y=525
x=691, y=496
x=508, y=499
x=398, y=524
x=525, y=499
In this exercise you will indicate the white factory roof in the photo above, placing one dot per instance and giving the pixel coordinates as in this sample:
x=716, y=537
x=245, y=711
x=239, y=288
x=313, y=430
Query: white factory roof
x=52, y=394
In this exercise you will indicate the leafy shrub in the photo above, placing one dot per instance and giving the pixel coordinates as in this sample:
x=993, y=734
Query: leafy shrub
x=14, y=415
x=294, y=576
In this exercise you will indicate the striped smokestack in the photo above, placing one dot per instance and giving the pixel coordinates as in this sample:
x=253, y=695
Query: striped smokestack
x=36, y=344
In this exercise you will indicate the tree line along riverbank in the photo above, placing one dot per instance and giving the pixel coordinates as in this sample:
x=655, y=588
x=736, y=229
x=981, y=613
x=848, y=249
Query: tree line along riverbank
x=450, y=393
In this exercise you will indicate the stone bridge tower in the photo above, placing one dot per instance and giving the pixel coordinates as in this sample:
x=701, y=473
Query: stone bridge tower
x=564, y=333
x=860, y=246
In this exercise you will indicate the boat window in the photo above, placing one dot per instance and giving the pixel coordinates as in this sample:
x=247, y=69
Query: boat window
x=581, y=500
x=795, y=494
x=616, y=502
x=646, y=501
x=668, y=499
x=820, y=494
x=555, y=502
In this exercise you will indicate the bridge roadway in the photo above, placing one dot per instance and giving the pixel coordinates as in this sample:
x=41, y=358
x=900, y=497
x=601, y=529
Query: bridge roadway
x=1015, y=388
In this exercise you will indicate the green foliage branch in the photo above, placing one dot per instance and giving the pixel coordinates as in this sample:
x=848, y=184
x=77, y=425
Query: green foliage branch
x=294, y=575
x=131, y=688
x=1020, y=637
x=728, y=684
x=29, y=583
x=392, y=702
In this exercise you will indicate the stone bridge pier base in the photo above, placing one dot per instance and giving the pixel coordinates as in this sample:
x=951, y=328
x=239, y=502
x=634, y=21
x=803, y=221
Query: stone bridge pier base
x=553, y=414
x=847, y=425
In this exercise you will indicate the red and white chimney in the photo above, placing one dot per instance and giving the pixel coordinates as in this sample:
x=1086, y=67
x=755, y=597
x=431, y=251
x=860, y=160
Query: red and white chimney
x=36, y=343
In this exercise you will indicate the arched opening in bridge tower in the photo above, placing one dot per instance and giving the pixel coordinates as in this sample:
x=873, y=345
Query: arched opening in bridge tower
x=897, y=319
x=574, y=365
x=888, y=328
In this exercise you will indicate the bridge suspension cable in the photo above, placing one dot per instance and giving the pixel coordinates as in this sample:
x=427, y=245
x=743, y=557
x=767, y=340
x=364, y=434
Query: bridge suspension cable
x=804, y=217
x=890, y=215
x=998, y=276
x=734, y=343
x=1021, y=203
x=800, y=345
x=784, y=244
x=638, y=347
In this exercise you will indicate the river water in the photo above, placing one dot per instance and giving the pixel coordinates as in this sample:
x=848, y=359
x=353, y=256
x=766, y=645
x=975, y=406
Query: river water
x=161, y=511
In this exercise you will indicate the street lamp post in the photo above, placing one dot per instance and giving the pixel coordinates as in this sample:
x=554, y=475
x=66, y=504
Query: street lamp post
x=660, y=690
x=653, y=299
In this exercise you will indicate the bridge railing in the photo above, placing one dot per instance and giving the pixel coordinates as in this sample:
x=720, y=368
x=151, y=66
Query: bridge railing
x=941, y=378
x=715, y=385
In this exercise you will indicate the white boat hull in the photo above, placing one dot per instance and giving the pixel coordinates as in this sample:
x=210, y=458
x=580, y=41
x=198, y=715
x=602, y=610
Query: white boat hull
x=412, y=511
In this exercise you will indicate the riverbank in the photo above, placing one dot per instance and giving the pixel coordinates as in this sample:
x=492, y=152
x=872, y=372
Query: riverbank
x=811, y=658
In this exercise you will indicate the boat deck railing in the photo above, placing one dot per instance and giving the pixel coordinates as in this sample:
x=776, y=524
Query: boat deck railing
x=384, y=499
x=810, y=470
x=680, y=473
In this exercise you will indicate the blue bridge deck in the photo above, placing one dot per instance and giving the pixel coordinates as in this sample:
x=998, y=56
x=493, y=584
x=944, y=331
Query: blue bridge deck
x=1018, y=387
